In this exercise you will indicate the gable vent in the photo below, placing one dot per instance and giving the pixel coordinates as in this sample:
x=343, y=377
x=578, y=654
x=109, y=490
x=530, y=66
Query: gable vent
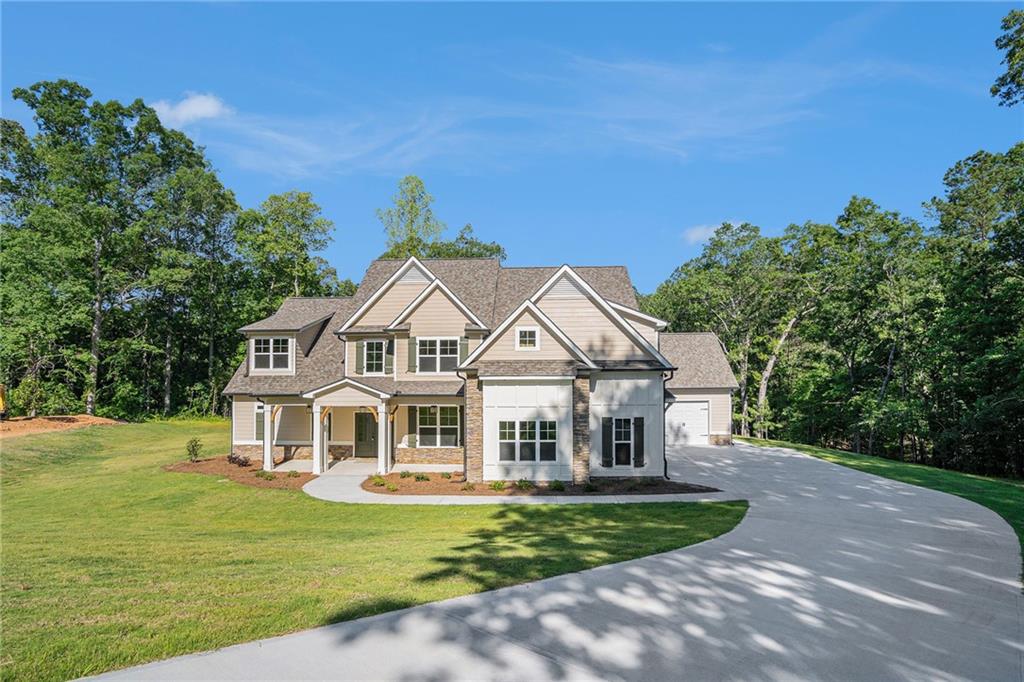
x=414, y=276
x=564, y=288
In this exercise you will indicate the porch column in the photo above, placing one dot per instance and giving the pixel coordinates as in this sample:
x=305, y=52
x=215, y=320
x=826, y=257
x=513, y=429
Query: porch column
x=382, y=439
x=318, y=441
x=268, y=437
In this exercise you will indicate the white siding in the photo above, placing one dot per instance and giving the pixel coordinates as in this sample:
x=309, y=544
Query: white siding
x=628, y=394
x=527, y=400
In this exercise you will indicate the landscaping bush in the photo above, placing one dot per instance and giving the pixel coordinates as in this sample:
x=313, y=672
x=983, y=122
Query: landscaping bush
x=556, y=485
x=239, y=460
x=266, y=475
x=391, y=487
x=378, y=481
x=523, y=484
x=405, y=474
x=498, y=485
x=589, y=488
x=468, y=486
x=446, y=474
x=293, y=474
x=422, y=477
x=193, y=449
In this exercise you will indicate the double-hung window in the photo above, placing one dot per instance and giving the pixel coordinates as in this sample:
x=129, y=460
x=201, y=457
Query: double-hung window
x=623, y=444
x=373, y=362
x=527, y=338
x=528, y=441
x=437, y=355
x=437, y=426
x=271, y=354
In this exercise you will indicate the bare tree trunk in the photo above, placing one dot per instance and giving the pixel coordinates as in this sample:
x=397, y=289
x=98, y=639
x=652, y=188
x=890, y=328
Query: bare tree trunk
x=766, y=375
x=96, y=330
x=744, y=392
x=168, y=358
x=881, y=397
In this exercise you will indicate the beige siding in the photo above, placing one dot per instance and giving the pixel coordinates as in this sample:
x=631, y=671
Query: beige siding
x=388, y=306
x=243, y=419
x=293, y=424
x=646, y=329
x=342, y=424
x=437, y=316
x=504, y=348
x=588, y=326
x=719, y=406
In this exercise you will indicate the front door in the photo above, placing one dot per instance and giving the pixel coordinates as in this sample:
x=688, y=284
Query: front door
x=366, y=435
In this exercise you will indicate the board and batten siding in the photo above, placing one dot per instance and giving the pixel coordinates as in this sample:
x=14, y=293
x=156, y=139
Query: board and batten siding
x=393, y=302
x=622, y=395
x=528, y=400
x=719, y=406
x=504, y=347
x=243, y=420
x=588, y=326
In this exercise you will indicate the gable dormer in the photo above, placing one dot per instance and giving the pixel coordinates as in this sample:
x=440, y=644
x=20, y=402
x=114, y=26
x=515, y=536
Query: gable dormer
x=392, y=297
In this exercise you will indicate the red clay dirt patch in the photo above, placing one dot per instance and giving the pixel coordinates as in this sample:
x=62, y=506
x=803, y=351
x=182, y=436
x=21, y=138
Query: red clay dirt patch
x=394, y=484
x=246, y=475
x=26, y=426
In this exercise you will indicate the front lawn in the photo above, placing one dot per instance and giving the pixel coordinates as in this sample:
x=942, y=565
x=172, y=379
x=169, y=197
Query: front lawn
x=109, y=561
x=1003, y=496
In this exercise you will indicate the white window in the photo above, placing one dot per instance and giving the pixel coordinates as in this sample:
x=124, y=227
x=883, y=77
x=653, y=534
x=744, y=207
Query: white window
x=373, y=360
x=527, y=441
x=437, y=355
x=437, y=426
x=527, y=338
x=271, y=353
x=622, y=447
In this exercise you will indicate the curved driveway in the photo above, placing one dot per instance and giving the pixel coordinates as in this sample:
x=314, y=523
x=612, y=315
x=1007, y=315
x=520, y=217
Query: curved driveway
x=834, y=574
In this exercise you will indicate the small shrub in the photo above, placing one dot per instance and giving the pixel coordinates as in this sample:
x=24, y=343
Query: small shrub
x=422, y=477
x=405, y=474
x=378, y=481
x=468, y=486
x=523, y=484
x=266, y=475
x=193, y=449
x=239, y=460
x=391, y=487
x=446, y=474
x=293, y=474
x=589, y=488
x=556, y=485
x=497, y=485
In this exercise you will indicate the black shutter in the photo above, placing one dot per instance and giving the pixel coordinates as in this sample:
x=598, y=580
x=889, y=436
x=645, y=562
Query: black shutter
x=606, y=442
x=638, y=441
x=413, y=427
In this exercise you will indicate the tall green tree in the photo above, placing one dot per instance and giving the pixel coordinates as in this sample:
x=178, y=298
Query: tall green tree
x=410, y=224
x=1009, y=86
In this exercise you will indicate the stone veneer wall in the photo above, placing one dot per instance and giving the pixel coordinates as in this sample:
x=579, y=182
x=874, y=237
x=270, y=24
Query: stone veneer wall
x=429, y=455
x=719, y=439
x=286, y=452
x=581, y=430
x=474, y=444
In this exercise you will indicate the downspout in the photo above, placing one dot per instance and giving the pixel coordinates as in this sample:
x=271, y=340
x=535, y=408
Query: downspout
x=664, y=410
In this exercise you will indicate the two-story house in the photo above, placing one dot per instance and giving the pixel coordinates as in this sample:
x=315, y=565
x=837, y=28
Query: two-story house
x=535, y=373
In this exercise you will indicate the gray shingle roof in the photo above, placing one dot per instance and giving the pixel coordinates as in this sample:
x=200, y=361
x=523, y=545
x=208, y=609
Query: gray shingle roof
x=512, y=368
x=298, y=313
x=700, y=360
x=515, y=285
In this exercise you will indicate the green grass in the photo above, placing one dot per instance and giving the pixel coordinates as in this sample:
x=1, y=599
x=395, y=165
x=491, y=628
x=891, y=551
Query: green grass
x=1003, y=496
x=110, y=561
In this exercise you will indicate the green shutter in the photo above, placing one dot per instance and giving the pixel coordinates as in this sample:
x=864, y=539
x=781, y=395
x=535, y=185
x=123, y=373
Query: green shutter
x=412, y=353
x=389, y=356
x=360, y=349
x=462, y=425
x=463, y=349
x=638, y=441
x=413, y=426
x=606, y=442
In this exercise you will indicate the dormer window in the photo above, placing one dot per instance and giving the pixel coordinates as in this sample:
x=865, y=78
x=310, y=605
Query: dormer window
x=527, y=338
x=271, y=354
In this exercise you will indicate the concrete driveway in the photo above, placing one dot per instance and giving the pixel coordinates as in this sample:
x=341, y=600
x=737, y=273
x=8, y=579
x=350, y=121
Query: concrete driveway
x=834, y=574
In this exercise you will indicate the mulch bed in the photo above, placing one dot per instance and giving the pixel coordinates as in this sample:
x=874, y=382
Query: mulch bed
x=246, y=475
x=436, y=485
x=26, y=426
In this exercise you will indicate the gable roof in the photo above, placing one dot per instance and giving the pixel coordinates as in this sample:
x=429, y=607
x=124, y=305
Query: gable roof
x=297, y=313
x=544, y=321
x=436, y=285
x=700, y=360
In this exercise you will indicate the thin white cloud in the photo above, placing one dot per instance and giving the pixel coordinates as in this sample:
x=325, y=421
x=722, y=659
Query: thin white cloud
x=195, y=106
x=698, y=234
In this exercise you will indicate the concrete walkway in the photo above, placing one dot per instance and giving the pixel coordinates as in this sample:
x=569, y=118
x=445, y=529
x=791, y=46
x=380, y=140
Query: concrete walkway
x=343, y=483
x=834, y=575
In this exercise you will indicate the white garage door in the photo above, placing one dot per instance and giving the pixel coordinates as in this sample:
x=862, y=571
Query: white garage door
x=686, y=423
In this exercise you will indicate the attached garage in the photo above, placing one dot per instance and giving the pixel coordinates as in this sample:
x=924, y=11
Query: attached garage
x=686, y=422
x=698, y=396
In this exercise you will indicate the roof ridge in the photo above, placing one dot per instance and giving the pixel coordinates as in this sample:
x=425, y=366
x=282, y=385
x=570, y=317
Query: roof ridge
x=688, y=333
x=316, y=298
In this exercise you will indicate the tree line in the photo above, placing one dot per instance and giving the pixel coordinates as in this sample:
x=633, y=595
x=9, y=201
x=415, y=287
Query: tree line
x=126, y=266
x=878, y=333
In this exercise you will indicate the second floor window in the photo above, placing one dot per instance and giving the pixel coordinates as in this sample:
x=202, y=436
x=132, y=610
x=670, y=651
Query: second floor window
x=271, y=354
x=438, y=355
x=374, y=363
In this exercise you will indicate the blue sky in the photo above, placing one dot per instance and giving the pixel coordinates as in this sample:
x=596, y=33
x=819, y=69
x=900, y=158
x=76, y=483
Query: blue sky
x=588, y=134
